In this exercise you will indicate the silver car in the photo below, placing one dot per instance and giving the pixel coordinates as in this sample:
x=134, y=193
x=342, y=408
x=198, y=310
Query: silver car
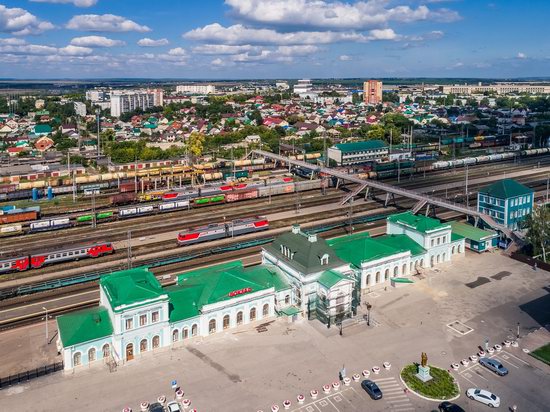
x=483, y=396
x=494, y=365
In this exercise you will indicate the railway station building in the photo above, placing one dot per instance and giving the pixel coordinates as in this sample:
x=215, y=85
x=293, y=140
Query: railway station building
x=301, y=276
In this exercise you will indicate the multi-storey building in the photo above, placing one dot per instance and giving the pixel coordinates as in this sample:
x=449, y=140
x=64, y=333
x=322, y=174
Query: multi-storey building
x=345, y=154
x=80, y=108
x=498, y=88
x=196, y=88
x=372, y=92
x=507, y=202
x=123, y=101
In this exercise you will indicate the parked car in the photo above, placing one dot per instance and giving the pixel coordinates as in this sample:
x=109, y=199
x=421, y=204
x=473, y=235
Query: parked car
x=483, y=396
x=372, y=389
x=494, y=365
x=173, y=406
x=156, y=407
x=449, y=407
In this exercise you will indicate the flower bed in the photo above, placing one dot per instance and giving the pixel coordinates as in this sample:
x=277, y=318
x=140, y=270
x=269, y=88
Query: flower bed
x=441, y=387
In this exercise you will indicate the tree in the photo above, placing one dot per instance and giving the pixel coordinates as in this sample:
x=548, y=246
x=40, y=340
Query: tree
x=376, y=132
x=196, y=144
x=538, y=230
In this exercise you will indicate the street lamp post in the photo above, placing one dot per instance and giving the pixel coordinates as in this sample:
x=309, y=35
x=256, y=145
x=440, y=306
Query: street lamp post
x=47, y=336
x=518, y=331
x=369, y=307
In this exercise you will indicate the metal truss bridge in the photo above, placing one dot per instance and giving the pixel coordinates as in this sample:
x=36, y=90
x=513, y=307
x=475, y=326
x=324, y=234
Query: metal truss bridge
x=392, y=191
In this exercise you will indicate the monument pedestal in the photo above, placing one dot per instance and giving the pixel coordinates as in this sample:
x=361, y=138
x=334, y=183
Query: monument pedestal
x=424, y=373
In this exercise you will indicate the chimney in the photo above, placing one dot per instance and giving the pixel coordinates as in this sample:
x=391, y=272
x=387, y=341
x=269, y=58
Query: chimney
x=312, y=238
x=295, y=229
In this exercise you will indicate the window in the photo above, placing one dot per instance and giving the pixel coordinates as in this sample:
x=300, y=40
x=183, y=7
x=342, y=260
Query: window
x=77, y=359
x=252, y=314
x=91, y=355
x=106, y=350
x=386, y=274
x=432, y=243
x=287, y=299
x=142, y=320
x=155, y=316
x=226, y=322
x=143, y=345
x=324, y=259
x=129, y=323
x=239, y=318
x=396, y=271
x=185, y=333
x=377, y=280
x=212, y=326
x=438, y=241
x=194, y=330
x=156, y=342
x=265, y=310
x=175, y=335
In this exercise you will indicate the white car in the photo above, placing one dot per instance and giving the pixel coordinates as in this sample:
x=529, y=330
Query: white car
x=483, y=396
x=173, y=407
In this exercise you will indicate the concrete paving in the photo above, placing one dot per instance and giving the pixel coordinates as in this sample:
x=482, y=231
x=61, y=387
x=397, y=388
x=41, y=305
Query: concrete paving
x=246, y=369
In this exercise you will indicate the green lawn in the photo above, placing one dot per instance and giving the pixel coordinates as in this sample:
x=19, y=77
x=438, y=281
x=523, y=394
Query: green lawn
x=441, y=387
x=542, y=353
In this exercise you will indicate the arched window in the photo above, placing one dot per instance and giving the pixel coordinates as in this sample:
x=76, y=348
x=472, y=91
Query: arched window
x=437, y=258
x=265, y=310
x=421, y=263
x=368, y=280
x=443, y=260
x=459, y=249
x=194, y=330
x=252, y=314
x=226, y=321
x=395, y=271
x=438, y=240
x=130, y=351
x=239, y=318
x=77, y=359
x=185, y=333
x=91, y=355
x=404, y=269
x=212, y=326
x=175, y=335
x=432, y=260
x=377, y=277
x=143, y=345
x=287, y=299
x=432, y=243
x=386, y=274
x=106, y=350
x=453, y=250
x=156, y=342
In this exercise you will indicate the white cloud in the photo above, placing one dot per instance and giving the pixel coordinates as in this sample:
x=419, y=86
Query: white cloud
x=217, y=62
x=383, y=34
x=147, y=42
x=239, y=35
x=71, y=50
x=12, y=41
x=297, y=50
x=345, y=58
x=96, y=41
x=336, y=15
x=104, y=22
x=20, y=22
x=223, y=49
x=77, y=3
x=178, y=51
x=521, y=55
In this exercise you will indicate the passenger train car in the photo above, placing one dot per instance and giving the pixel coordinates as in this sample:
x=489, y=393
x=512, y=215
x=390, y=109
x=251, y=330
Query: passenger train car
x=39, y=259
x=222, y=230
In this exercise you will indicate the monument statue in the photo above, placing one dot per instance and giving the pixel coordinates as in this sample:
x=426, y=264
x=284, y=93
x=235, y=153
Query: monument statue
x=424, y=359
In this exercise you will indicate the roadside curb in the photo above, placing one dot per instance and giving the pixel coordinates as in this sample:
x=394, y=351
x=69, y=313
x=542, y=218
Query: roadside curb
x=425, y=397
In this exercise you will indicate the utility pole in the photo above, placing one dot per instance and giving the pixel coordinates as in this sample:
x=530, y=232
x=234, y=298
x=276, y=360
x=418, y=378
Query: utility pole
x=467, y=193
x=94, y=222
x=129, y=249
x=97, y=113
x=47, y=335
x=350, y=217
x=547, y=186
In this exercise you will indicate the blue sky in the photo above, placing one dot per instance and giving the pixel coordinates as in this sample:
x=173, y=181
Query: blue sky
x=273, y=38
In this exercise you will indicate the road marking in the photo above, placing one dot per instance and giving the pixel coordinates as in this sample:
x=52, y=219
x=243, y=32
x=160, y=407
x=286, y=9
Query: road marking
x=460, y=327
x=472, y=382
x=393, y=391
x=309, y=408
x=402, y=409
x=478, y=373
x=521, y=360
x=504, y=360
x=406, y=400
x=337, y=398
x=323, y=403
x=338, y=410
x=385, y=379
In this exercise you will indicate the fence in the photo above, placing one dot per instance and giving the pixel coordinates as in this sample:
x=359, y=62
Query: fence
x=530, y=261
x=30, y=374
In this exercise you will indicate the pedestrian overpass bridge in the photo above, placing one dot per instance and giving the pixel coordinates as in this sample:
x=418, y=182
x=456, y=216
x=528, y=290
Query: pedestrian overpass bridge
x=422, y=199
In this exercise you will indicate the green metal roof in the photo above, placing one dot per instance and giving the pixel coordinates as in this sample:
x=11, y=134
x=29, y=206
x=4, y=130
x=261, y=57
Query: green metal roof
x=306, y=254
x=216, y=284
x=42, y=129
x=471, y=232
x=329, y=278
x=361, y=146
x=360, y=248
x=455, y=237
x=504, y=189
x=419, y=223
x=84, y=326
x=134, y=287
x=290, y=310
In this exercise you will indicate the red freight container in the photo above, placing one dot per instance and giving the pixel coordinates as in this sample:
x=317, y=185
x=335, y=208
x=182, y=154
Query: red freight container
x=239, y=195
x=123, y=198
x=8, y=188
x=18, y=217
